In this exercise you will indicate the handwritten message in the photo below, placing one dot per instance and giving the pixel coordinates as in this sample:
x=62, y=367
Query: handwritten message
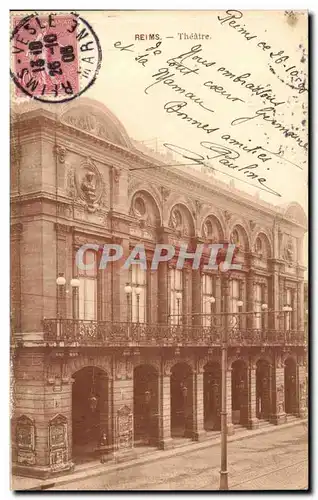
x=195, y=68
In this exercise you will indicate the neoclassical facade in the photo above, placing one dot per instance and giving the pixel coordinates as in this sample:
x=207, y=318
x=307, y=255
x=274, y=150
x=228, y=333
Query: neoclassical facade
x=116, y=358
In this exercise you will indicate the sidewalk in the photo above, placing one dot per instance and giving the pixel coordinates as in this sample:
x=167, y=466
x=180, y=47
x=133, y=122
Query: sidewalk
x=94, y=469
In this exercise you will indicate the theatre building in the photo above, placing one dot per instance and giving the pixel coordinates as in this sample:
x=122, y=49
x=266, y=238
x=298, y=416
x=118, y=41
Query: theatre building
x=124, y=359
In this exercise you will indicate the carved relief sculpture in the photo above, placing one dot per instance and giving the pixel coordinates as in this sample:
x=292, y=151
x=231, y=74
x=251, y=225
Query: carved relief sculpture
x=175, y=219
x=289, y=251
x=25, y=440
x=124, y=428
x=90, y=186
x=58, y=441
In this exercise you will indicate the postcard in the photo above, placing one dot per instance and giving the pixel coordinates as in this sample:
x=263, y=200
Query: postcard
x=159, y=228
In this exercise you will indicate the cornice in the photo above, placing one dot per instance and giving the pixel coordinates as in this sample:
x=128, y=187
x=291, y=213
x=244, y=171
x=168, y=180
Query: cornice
x=45, y=121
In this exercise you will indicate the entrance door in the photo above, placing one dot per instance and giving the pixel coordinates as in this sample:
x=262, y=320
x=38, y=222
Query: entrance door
x=89, y=413
x=181, y=389
x=263, y=389
x=290, y=386
x=239, y=393
x=146, y=418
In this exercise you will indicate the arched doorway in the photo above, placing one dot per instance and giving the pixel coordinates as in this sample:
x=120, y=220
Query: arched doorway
x=263, y=389
x=290, y=386
x=181, y=394
x=146, y=419
x=239, y=393
x=90, y=411
x=212, y=396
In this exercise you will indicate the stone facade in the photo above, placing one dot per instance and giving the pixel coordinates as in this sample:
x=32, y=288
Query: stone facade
x=75, y=182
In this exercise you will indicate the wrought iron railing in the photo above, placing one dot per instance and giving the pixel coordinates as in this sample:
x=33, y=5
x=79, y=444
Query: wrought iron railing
x=104, y=333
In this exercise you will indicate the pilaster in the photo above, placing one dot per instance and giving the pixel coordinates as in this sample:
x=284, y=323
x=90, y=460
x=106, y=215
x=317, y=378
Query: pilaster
x=198, y=406
x=278, y=392
x=252, y=421
x=165, y=440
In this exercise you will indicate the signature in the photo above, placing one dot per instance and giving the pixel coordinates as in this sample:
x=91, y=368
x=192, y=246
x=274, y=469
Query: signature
x=227, y=157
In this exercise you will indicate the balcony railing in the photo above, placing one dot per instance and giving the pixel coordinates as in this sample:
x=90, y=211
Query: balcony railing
x=104, y=333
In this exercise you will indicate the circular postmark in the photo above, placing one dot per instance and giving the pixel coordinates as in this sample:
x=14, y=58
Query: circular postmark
x=54, y=57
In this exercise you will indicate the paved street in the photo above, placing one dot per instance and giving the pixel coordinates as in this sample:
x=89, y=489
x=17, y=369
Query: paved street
x=277, y=460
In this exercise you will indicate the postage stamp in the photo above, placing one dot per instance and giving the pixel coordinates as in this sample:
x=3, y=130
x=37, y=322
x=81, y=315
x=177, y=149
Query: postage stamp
x=54, y=58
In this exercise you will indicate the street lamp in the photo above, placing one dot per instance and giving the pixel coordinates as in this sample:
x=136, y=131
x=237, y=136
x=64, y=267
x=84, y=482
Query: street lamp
x=138, y=292
x=61, y=281
x=178, y=297
x=223, y=470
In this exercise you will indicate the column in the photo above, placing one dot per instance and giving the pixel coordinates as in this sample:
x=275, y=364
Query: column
x=278, y=392
x=300, y=306
x=273, y=301
x=265, y=298
x=250, y=299
x=282, y=301
x=119, y=278
x=187, y=296
x=165, y=440
x=218, y=294
x=198, y=406
x=62, y=242
x=16, y=234
x=151, y=290
x=123, y=408
x=196, y=297
x=242, y=320
x=294, y=311
x=163, y=291
x=302, y=389
x=252, y=421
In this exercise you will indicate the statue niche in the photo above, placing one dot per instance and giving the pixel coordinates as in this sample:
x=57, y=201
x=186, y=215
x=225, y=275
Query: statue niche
x=90, y=186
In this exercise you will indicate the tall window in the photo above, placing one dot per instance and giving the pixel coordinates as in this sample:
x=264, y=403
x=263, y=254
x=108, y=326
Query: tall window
x=88, y=287
x=288, y=317
x=139, y=294
x=207, y=293
x=176, y=295
x=258, y=306
x=235, y=298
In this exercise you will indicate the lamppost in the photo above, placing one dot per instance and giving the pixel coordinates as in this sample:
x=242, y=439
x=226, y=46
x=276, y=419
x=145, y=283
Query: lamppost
x=224, y=347
x=178, y=297
x=138, y=292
